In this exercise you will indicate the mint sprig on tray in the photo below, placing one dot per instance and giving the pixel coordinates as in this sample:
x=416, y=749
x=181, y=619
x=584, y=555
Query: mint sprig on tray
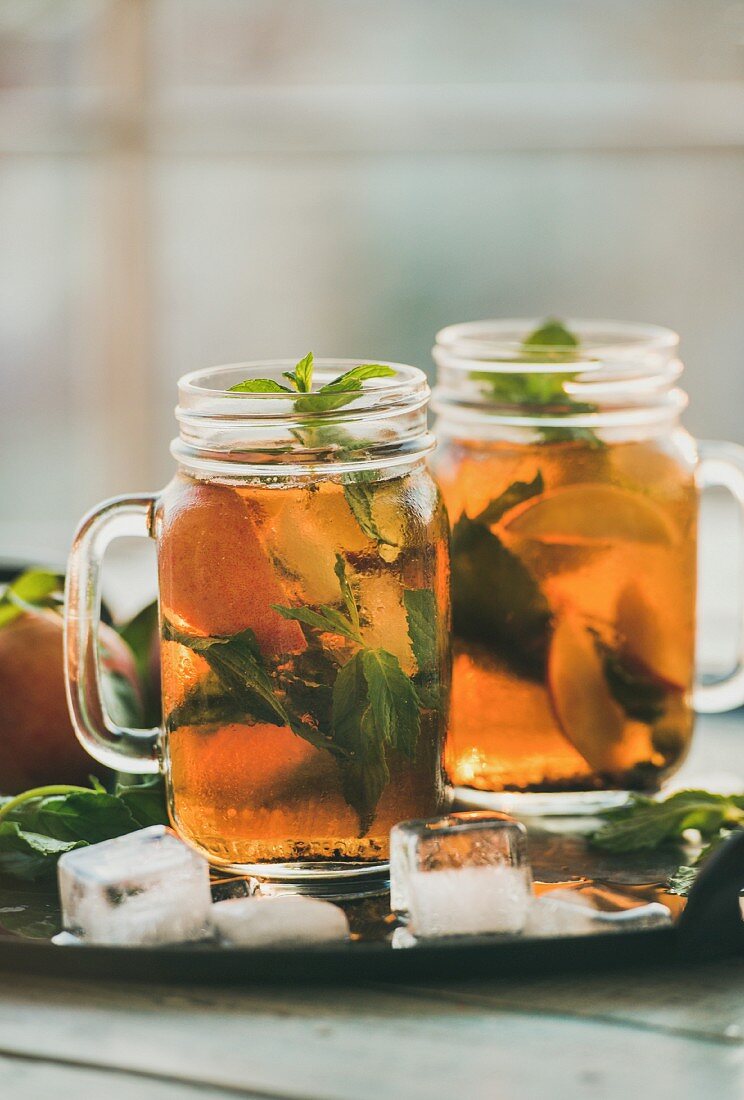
x=647, y=823
x=40, y=825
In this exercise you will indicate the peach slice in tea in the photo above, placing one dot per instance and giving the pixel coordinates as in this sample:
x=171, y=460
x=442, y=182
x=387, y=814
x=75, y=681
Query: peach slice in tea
x=588, y=715
x=216, y=577
x=661, y=651
x=578, y=514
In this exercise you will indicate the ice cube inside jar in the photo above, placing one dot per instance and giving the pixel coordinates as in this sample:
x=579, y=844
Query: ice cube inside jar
x=462, y=874
x=146, y=887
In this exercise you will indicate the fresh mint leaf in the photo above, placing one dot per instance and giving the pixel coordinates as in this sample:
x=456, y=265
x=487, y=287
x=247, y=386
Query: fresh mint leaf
x=422, y=615
x=350, y=700
x=551, y=333
x=353, y=379
x=551, y=342
x=33, y=589
x=145, y=800
x=206, y=704
x=325, y=619
x=121, y=699
x=238, y=663
x=517, y=493
x=393, y=702
x=36, y=828
x=328, y=619
x=646, y=823
x=574, y=435
x=348, y=596
x=90, y=817
x=373, y=705
x=29, y=855
x=428, y=690
x=496, y=601
x=306, y=684
x=640, y=696
x=360, y=496
x=683, y=880
x=334, y=395
x=302, y=376
x=364, y=770
x=535, y=388
x=141, y=635
x=684, y=877
x=259, y=385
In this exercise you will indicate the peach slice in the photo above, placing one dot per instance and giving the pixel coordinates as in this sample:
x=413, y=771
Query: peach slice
x=581, y=514
x=661, y=653
x=215, y=575
x=588, y=715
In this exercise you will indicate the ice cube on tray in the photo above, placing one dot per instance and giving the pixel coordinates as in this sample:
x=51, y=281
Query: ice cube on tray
x=287, y=920
x=462, y=874
x=575, y=912
x=146, y=887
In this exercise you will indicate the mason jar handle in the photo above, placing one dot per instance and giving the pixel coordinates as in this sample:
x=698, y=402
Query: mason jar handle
x=118, y=747
x=721, y=465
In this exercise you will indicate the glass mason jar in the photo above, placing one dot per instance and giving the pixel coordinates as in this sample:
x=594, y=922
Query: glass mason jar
x=304, y=610
x=572, y=491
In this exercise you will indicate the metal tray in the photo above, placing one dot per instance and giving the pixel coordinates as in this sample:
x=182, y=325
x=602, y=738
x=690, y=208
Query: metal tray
x=708, y=926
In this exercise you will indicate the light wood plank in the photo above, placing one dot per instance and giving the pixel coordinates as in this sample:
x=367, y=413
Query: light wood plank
x=704, y=1002
x=339, y=1044
x=28, y=1078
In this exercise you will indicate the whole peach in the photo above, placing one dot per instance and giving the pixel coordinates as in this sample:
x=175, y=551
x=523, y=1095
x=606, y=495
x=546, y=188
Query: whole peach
x=37, y=741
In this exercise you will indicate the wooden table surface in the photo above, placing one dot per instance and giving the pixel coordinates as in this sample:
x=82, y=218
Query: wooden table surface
x=665, y=1033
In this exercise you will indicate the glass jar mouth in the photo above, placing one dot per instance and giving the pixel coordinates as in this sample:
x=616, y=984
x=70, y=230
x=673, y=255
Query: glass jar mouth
x=384, y=422
x=616, y=369
x=208, y=389
x=602, y=346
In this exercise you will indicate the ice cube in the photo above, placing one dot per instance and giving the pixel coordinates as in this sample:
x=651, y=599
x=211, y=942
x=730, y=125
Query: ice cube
x=381, y=605
x=286, y=920
x=566, y=912
x=463, y=874
x=66, y=939
x=402, y=939
x=144, y=888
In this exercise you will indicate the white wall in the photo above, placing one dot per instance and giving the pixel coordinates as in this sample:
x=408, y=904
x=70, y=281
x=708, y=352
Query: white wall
x=186, y=182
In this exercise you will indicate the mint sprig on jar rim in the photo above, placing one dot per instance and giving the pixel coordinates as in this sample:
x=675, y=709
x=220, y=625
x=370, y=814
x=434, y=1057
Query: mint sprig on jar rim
x=328, y=397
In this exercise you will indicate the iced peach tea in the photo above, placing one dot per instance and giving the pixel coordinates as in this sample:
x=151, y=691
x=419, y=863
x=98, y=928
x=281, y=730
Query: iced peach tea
x=304, y=664
x=573, y=575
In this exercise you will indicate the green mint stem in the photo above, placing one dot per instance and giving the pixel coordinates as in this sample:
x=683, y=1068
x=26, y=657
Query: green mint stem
x=39, y=792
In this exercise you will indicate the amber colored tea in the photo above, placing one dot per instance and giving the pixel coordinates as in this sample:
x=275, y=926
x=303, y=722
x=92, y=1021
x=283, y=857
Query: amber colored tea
x=304, y=664
x=573, y=576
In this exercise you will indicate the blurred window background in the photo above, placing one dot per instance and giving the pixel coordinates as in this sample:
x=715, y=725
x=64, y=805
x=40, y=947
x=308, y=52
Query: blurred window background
x=188, y=182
